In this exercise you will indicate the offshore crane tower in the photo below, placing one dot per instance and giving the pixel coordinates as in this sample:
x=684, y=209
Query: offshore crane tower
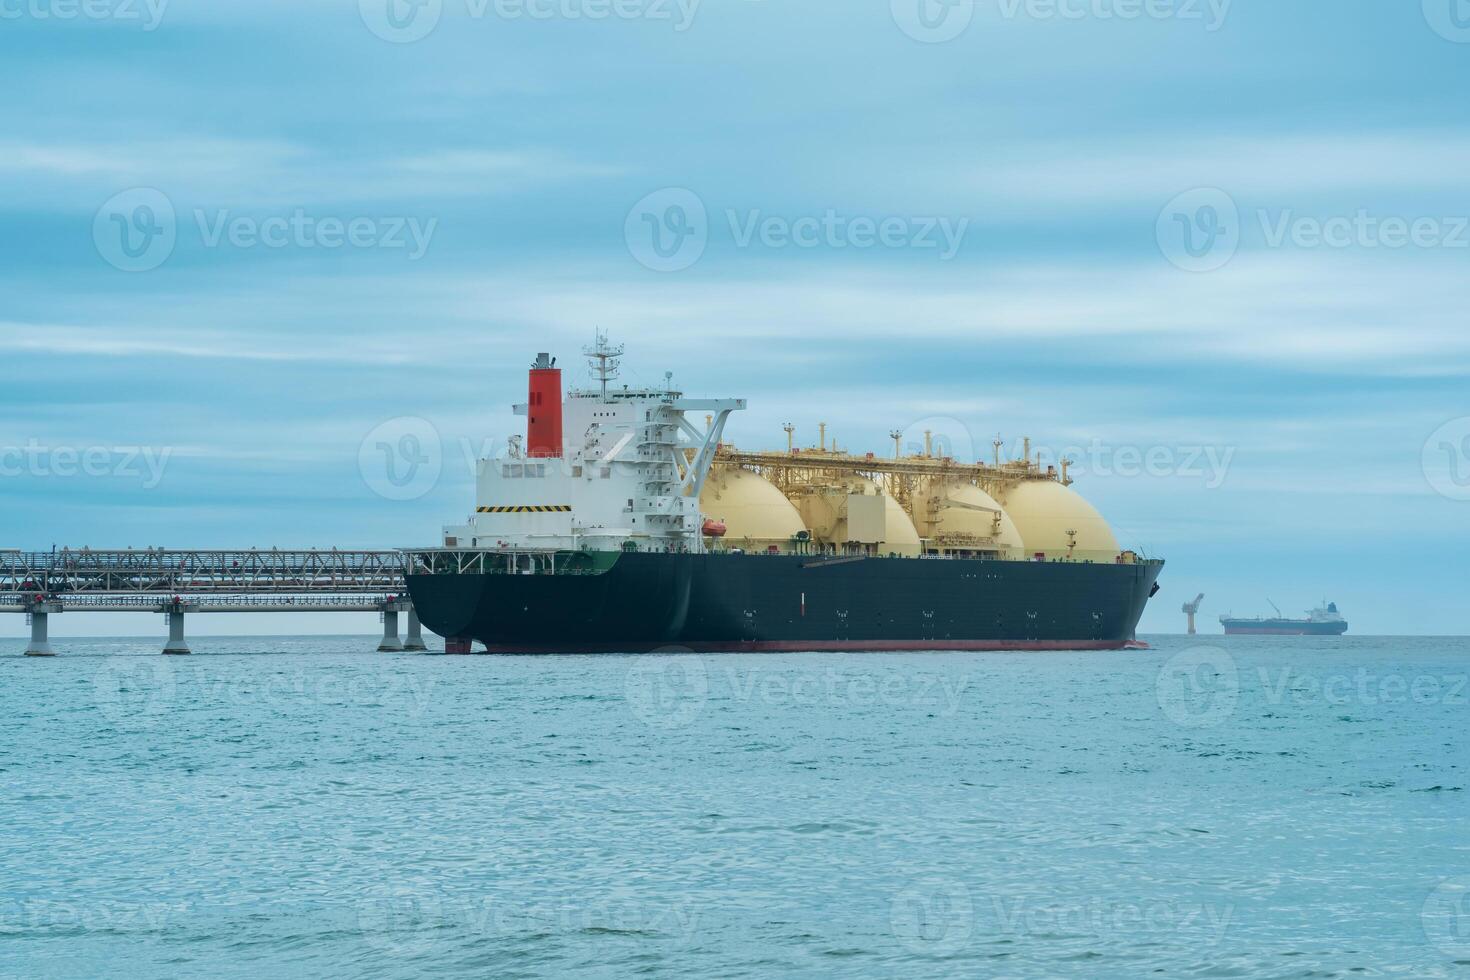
x=1190, y=608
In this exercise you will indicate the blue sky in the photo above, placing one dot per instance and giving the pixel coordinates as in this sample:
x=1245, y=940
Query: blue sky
x=499, y=167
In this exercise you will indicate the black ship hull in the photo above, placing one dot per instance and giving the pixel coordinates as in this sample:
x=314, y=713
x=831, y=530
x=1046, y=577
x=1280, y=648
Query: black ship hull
x=719, y=602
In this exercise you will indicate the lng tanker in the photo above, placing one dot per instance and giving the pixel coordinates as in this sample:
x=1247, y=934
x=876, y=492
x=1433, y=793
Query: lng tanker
x=622, y=521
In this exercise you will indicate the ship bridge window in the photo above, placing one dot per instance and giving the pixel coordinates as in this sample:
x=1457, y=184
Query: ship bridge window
x=511, y=470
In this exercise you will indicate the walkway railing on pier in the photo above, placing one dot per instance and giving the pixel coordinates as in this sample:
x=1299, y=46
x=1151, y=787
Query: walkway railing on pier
x=67, y=572
x=208, y=602
x=176, y=583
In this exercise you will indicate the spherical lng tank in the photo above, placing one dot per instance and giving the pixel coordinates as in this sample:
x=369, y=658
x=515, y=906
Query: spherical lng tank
x=756, y=515
x=1055, y=522
x=959, y=516
x=826, y=511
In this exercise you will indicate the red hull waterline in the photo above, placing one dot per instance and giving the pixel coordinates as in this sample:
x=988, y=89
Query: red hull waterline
x=804, y=646
x=1246, y=632
x=1275, y=632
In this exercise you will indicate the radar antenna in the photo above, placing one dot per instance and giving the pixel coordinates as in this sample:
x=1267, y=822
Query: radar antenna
x=603, y=359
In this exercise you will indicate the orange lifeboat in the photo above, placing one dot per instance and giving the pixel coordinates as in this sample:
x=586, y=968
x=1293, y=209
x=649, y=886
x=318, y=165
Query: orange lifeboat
x=713, y=528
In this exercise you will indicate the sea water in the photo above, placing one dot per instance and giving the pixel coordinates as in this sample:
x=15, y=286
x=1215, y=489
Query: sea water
x=1212, y=807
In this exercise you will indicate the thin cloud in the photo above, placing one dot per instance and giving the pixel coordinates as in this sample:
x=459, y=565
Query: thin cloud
x=245, y=173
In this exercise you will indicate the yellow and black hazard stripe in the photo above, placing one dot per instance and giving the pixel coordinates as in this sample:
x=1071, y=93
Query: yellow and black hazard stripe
x=529, y=509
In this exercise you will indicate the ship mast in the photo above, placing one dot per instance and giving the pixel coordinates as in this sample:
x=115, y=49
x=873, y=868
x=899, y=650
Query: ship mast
x=603, y=359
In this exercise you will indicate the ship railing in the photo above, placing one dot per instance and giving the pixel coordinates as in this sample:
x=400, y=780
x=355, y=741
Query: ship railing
x=493, y=561
x=560, y=561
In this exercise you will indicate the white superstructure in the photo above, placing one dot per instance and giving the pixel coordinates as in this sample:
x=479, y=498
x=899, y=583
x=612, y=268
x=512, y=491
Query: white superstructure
x=627, y=474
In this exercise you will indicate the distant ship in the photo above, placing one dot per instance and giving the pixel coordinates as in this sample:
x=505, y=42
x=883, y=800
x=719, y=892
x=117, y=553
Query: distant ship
x=1323, y=621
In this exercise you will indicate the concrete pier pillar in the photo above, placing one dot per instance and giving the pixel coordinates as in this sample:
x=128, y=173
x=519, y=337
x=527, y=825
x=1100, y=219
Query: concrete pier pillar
x=176, y=643
x=40, y=645
x=415, y=638
x=391, y=643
